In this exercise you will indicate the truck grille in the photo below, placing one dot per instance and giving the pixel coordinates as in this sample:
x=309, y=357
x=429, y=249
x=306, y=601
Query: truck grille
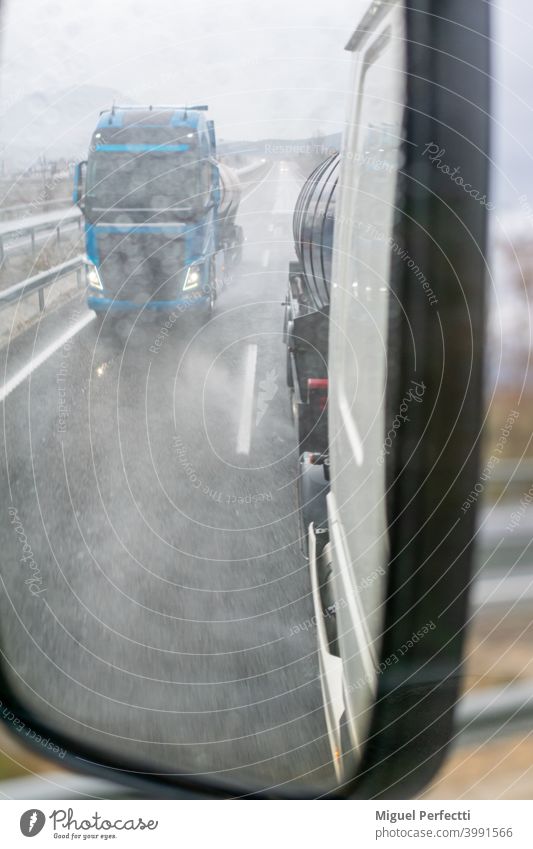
x=141, y=266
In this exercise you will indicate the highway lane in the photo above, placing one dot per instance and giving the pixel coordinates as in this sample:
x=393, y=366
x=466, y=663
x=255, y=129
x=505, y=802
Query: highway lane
x=153, y=479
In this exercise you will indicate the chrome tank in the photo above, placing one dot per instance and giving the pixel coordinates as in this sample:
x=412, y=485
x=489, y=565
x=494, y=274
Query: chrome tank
x=313, y=221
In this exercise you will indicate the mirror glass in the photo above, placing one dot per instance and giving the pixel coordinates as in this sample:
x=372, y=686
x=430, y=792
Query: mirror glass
x=173, y=594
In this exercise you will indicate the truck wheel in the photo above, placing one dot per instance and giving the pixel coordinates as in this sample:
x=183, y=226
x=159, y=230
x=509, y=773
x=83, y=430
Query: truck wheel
x=206, y=312
x=294, y=412
x=237, y=255
x=290, y=382
x=237, y=246
x=209, y=307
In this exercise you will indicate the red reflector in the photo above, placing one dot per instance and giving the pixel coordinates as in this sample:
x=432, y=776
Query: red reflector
x=317, y=383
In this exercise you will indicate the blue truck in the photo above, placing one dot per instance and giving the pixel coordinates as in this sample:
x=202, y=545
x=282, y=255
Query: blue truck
x=159, y=211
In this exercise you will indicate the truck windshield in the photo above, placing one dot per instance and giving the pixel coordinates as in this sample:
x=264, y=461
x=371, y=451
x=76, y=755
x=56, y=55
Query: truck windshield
x=145, y=181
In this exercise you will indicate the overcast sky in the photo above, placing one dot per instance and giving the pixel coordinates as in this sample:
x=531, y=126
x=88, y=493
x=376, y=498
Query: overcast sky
x=276, y=68
x=513, y=100
x=265, y=69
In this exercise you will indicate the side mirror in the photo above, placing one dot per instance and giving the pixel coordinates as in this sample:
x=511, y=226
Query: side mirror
x=215, y=183
x=78, y=193
x=137, y=641
x=212, y=136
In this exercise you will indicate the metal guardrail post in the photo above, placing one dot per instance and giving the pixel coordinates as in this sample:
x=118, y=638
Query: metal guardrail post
x=487, y=714
x=39, y=282
x=32, y=225
x=6, y=211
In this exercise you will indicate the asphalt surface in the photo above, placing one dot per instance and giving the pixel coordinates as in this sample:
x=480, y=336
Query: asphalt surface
x=170, y=618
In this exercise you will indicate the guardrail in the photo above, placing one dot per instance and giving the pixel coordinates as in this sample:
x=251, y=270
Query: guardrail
x=519, y=471
x=38, y=282
x=504, y=590
x=60, y=203
x=64, y=785
x=495, y=711
x=33, y=225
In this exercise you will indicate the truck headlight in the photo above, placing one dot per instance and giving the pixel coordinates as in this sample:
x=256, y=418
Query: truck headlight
x=192, y=278
x=93, y=278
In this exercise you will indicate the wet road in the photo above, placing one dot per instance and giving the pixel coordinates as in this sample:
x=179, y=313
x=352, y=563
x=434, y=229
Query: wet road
x=171, y=613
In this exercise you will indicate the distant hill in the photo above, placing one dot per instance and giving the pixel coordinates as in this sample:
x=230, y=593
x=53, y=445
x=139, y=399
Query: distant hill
x=56, y=126
x=59, y=126
x=282, y=148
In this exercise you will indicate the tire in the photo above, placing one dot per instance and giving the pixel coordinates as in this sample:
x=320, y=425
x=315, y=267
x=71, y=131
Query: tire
x=209, y=308
x=290, y=382
x=236, y=257
x=294, y=413
x=226, y=273
x=206, y=311
x=287, y=336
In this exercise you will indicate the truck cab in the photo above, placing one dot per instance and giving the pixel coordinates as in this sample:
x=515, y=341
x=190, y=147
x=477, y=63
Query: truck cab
x=150, y=201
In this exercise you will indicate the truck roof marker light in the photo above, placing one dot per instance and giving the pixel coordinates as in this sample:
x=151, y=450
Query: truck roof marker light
x=143, y=148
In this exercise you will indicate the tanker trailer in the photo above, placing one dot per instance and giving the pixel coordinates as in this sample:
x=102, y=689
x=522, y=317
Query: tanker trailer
x=307, y=305
x=306, y=337
x=230, y=234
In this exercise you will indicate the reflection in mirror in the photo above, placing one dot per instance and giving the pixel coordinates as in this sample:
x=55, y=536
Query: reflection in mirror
x=195, y=546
